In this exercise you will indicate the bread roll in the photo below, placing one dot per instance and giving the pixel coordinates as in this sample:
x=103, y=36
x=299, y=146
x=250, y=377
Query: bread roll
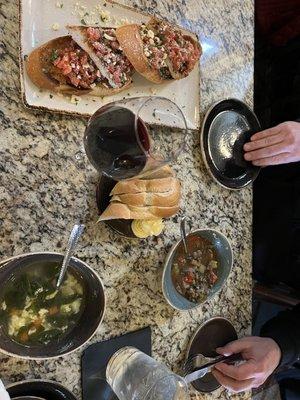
x=117, y=210
x=165, y=199
x=144, y=185
x=162, y=172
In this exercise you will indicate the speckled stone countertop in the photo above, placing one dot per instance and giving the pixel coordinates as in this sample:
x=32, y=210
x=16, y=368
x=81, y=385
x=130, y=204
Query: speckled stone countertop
x=47, y=183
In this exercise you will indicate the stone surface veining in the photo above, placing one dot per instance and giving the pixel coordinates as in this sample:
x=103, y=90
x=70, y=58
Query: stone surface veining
x=47, y=184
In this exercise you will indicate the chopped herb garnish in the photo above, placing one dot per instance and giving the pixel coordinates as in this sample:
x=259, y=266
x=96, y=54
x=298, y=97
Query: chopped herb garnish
x=86, y=14
x=61, y=6
x=54, y=55
x=51, y=96
x=83, y=21
x=104, y=5
x=25, y=57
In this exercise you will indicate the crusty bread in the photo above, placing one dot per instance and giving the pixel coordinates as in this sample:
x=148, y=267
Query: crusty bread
x=44, y=75
x=166, y=199
x=176, y=74
x=144, y=185
x=78, y=34
x=162, y=172
x=39, y=67
x=154, y=24
x=130, y=40
x=123, y=211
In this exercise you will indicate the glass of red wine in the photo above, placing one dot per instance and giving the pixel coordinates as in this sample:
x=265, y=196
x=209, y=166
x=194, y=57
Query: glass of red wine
x=121, y=145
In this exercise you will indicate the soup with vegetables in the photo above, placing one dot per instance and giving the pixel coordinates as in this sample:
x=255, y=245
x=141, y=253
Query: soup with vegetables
x=32, y=312
x=194, y=276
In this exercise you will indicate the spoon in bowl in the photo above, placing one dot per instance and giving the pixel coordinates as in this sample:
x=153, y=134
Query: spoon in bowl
x=183, y=237
x=72, y=243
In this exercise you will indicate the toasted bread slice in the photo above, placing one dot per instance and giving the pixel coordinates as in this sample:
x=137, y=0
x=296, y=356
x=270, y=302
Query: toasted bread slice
x=133, y=186
x=79, y=34
x=130, y=40
x=160, y=27
x=45, y=75
x=117, y=210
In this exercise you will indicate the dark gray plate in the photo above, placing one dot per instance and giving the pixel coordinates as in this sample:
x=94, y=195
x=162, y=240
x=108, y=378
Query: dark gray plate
x=89, y=321
x=121, y=226
x=47, y=390
x=227, y=126
x=214, y=333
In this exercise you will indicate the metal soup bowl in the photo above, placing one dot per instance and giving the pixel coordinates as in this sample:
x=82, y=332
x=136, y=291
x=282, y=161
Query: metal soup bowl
x=224, y=253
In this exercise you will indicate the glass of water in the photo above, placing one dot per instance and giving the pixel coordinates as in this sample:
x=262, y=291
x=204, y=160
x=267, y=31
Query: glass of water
x=133, y=375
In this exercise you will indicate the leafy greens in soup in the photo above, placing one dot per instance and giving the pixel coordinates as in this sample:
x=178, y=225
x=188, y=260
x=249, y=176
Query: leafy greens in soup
x=32, y=312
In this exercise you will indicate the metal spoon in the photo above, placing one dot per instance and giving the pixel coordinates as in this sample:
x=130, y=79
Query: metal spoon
x=183, y=236
x=72, y=243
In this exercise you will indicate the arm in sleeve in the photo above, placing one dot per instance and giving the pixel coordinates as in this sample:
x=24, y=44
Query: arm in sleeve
x=285, y=330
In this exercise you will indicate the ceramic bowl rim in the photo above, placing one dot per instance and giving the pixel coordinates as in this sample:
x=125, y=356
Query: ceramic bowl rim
x=14, y=384
x=92, y=334
x=201, y=326
x=170, y=254
x=196, y=333
x=201, y=133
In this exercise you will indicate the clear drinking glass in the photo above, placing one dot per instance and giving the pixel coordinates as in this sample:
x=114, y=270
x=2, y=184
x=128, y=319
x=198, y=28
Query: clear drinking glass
x=120, y=144
x=133, y=375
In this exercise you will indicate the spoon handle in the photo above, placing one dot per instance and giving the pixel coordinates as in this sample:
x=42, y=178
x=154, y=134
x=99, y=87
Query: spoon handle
x=183, y=234
x=72, y=243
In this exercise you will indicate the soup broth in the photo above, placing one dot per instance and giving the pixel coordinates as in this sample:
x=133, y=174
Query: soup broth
x=194, y=276
x=32, y=312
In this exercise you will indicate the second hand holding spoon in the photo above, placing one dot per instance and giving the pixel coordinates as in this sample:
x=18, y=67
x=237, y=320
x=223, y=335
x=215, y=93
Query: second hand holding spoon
x=72, y=243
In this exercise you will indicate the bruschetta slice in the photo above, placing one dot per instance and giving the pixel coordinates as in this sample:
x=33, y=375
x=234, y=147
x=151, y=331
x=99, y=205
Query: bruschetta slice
x=159, y=51
x=105, y=51
x=62, y=66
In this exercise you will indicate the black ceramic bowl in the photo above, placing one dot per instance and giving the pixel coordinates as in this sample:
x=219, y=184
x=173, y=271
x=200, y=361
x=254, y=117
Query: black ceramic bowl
x=121, y=226
x=47, y=390
x=91, y=317
x=216, y=332
x=227, y=126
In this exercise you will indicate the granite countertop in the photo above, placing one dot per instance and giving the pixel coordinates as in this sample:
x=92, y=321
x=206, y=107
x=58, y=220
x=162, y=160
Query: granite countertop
x=47, y=183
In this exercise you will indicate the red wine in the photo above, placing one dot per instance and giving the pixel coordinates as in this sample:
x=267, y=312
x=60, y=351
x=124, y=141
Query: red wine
x=112, y=145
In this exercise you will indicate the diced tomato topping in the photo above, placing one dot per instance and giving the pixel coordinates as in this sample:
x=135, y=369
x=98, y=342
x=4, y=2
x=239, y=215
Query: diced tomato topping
x=117, y=76
x=108, y=50
x=212, y=277
x=93, y=33
x=189, y=278
x=77, y=67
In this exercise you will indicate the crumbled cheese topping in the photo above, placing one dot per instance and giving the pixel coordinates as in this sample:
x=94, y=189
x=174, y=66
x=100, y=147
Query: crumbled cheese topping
x=108, y=37
x=55, y=26
x=75, y=99
x=96, y=15
x=91, y=16
x=150, y=34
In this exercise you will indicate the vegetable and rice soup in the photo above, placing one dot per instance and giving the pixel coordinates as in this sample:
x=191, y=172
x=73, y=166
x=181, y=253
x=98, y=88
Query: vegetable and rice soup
x=194, y=276
x=32, y=312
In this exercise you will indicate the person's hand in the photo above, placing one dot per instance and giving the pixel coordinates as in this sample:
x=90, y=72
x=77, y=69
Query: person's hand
x=277, y=145
x=261, y=355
